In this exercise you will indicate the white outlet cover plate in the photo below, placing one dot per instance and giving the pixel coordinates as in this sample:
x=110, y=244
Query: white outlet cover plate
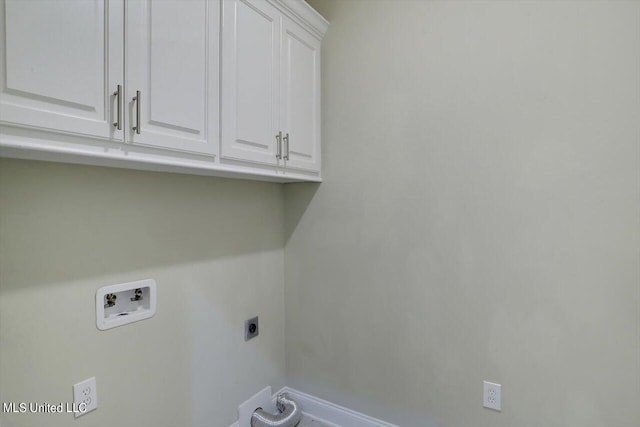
x=262, y=399
x=85, y=392
x=492, y=396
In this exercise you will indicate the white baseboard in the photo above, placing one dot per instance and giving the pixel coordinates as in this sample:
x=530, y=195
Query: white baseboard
x=329, y=413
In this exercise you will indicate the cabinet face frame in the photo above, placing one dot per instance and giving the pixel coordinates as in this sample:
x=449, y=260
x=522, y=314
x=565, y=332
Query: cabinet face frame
x=192, y=125
x=38, y=87
x=300, y=97
x=250, y=81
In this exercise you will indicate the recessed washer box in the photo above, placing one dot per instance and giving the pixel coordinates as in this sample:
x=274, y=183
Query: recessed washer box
x=117, y=305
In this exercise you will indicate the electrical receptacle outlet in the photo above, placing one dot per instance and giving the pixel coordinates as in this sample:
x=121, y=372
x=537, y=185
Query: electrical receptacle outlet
x=492, y=396
x=251, y=328
x=85, y=396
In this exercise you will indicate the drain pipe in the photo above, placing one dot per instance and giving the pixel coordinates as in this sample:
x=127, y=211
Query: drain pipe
x=289, y=416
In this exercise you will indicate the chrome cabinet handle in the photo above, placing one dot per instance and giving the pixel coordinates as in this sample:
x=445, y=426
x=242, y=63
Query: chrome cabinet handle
x=279, y=145
x=118, y=95
x=286, y=140
x=137, y=99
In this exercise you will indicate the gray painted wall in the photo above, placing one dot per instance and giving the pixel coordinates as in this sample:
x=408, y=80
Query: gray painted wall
x=215, y=249
x=479, y=215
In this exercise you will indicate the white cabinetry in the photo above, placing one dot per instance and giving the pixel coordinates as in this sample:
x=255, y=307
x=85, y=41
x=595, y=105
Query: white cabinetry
x=143, y=84
x=250, y=75
x=61, y=65
x=300, y=98
x=172, y=63
x=271, y=88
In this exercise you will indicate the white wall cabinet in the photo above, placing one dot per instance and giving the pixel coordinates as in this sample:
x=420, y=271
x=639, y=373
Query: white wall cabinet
x=251, y=73
x=172, y=64
x=61, y=65
x=271, y=91
x=138, y=84
x=300, y=98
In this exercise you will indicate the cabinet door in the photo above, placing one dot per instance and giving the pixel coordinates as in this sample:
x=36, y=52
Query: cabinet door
x=300, y=99
x=250, y=81
x=61, y=64
x=172, y=60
